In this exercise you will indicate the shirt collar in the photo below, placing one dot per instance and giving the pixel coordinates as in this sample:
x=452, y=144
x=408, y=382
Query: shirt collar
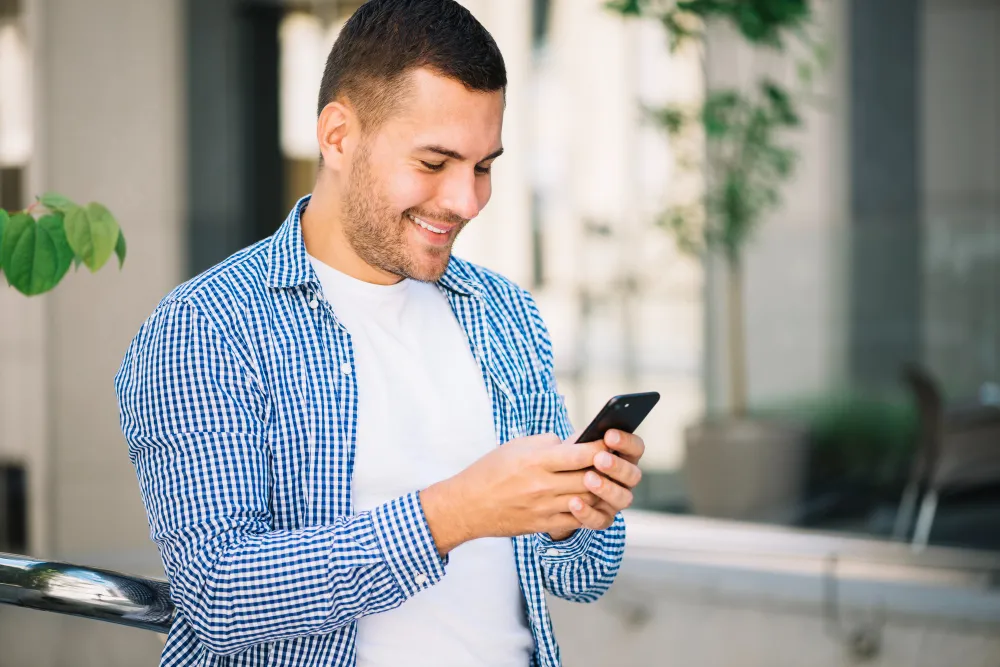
x=288, y=262
x=289, y=265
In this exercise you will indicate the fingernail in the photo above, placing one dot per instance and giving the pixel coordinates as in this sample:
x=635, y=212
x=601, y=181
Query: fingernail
x=612, y=437
x=603, y=460
x=592, y=480
x=576, y=504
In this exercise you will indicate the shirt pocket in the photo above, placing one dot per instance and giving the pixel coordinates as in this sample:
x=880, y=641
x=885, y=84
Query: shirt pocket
x=542, y=412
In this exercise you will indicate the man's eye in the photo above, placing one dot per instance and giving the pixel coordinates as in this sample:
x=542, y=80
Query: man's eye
x=431, y=166
x=482, y=170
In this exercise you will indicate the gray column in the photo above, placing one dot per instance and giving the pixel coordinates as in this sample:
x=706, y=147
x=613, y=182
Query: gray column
x=235, y=176
x=884, y=326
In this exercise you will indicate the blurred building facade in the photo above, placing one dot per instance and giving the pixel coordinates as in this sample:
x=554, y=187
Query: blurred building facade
x=186, y=118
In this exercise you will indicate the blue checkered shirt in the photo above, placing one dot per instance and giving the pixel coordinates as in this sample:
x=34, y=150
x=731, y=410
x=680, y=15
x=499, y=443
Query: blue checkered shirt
x=238, y=400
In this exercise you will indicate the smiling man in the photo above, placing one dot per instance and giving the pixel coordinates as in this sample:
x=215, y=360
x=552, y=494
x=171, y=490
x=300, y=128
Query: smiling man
x=315, y=421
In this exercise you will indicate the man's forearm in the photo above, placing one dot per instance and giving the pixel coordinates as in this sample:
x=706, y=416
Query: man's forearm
x=232, y=590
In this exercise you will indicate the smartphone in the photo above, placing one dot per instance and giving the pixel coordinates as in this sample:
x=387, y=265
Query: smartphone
x=624, y=413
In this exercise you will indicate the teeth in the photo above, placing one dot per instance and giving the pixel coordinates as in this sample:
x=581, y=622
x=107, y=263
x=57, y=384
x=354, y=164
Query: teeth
x=428, y=227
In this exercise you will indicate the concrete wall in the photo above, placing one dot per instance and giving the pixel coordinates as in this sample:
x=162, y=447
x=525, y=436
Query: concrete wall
x=685, y=627
x=709, y=593
x=110, y=128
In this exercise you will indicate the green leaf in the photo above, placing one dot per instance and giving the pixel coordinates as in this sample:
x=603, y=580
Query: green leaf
x=781, y=103
x=720, y=112
x=92, y=233
x=4, y=217
x=16, y=226
x=624, y=7
x=120, y=249
x=804, y=71
x=672, y=118
x=679, y=28
x=823, y=53
x=684, y=222
x=56, y=202
x=35, y=254
x=54, y=225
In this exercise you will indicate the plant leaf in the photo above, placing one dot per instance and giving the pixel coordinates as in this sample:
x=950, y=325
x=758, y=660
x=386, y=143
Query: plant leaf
x=4, y=217
x=17, y=225
x=672, y=118
x=36, y=254
x=92, y=233
x=120, y=249
x=804, y=71
x=54, y=225
x=624, y=7
x=56, y=202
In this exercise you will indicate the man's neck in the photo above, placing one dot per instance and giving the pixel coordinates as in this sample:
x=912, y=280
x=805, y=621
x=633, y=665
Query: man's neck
x=325, y=239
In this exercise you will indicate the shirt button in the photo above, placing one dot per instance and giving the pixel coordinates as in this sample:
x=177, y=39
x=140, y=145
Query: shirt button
x=345, y=368
x=420, y=579
x=314, y=304
x=552, y=552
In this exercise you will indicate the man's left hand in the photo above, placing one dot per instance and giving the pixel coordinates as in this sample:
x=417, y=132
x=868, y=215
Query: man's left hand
x=611, y=490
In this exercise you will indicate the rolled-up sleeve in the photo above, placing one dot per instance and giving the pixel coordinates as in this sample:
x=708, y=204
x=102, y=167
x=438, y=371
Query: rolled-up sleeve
x=195, y=416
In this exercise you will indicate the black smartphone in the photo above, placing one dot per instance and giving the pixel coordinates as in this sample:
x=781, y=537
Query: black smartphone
x=624, y=413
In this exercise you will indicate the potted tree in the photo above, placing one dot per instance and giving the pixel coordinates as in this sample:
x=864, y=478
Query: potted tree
x=735, y=466
x=39, y=244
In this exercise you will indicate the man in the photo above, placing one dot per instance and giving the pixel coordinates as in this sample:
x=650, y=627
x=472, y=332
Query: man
x=314, y=422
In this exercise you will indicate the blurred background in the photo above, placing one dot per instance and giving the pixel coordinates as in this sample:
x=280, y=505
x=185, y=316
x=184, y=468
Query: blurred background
x=822, y=477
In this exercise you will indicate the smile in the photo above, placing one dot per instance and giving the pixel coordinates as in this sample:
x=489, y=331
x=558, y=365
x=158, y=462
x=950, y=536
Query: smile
x=426, y=225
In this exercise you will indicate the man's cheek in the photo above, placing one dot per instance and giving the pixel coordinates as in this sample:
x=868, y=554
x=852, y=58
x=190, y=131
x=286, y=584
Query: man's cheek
x=407, y=191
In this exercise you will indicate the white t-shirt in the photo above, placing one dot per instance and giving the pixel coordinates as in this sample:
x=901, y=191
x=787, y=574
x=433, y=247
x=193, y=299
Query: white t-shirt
x=423, y=415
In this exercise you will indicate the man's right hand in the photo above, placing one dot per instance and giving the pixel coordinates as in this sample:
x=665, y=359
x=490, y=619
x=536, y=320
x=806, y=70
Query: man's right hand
x=521, y=487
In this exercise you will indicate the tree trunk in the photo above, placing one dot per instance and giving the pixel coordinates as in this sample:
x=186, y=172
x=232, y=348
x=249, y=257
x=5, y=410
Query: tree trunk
x=736, y=338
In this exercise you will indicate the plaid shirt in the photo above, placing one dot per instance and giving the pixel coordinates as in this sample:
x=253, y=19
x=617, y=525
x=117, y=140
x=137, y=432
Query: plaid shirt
x=238, y=400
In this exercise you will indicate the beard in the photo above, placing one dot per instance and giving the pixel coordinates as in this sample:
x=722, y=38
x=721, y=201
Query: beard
x=379, y=234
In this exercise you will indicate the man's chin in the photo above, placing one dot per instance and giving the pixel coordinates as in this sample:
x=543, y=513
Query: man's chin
x=430, y=266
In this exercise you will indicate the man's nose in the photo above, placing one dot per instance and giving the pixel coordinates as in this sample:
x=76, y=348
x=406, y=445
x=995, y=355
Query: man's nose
x=459, y=194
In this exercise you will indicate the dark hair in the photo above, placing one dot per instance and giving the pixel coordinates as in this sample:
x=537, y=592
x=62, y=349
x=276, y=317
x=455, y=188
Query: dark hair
x=386, y=39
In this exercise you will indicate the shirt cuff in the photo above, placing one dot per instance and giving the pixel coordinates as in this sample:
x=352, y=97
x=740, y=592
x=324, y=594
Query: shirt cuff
x=407, y=545
x=571, y=548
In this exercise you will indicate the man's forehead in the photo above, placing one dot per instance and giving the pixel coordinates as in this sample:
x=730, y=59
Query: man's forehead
x=433, y=102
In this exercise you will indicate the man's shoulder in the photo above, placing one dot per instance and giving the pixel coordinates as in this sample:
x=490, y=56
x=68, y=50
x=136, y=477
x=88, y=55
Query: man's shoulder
x=496, y=287
x=228, y=285
x=226, y=296
x=504, y=299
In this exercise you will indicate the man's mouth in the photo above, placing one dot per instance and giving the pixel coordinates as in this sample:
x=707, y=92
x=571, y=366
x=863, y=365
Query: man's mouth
x=428, y=226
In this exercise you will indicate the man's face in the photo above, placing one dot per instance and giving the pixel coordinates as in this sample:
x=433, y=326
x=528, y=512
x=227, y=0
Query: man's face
x=419, y=178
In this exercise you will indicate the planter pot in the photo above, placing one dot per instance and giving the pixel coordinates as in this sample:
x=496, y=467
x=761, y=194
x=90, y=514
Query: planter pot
x=746, y=469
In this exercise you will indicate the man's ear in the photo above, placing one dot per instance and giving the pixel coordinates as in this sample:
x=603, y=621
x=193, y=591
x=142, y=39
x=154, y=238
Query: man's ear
x=335, y=125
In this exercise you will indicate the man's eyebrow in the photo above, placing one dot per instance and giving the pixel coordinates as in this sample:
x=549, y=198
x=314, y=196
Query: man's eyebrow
x=447, y=152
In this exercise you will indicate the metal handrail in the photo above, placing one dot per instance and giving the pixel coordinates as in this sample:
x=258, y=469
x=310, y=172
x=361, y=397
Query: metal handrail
x=88, y=592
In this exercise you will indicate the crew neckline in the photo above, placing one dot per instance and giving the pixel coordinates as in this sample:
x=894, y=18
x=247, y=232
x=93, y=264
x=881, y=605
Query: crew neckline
x=357, y=286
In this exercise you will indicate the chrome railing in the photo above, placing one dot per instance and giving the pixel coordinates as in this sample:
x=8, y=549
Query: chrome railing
x=84, y=591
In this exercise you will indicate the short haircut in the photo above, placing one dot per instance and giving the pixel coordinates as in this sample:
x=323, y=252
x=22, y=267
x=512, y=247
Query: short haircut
x=386, y=39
